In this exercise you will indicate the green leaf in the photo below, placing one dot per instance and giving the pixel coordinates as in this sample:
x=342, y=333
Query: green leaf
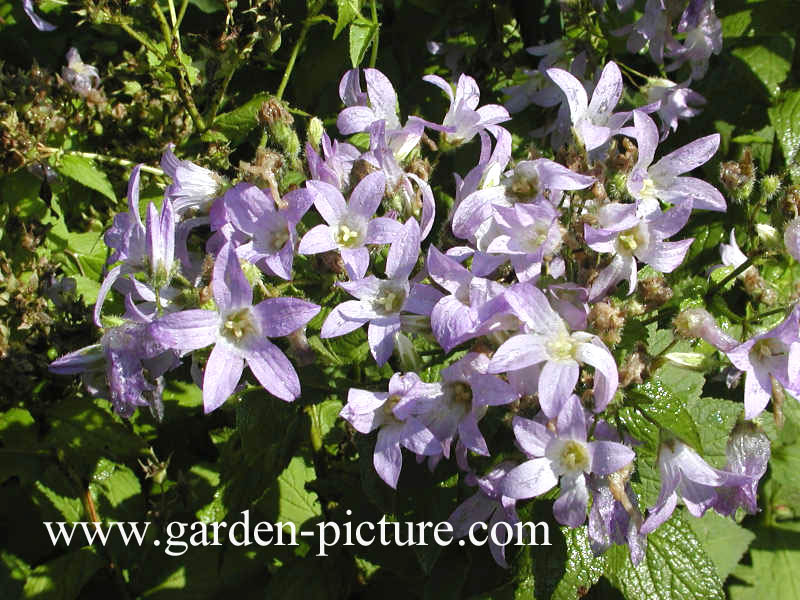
x=769, y=58
x=238, y=123
x=13, y=573
x=674, y=566
x=85, y=432
x=724, y=541
x=715, y=419
x=583, y=567
x=361, y=36
x=208, y=6
x=346, y=12
x=64, y=577
x=85, y=172
x=296, y=504
x=785, y=117
x=56, y=497
x=664, y=401
x=775, y=555
x=116, y=491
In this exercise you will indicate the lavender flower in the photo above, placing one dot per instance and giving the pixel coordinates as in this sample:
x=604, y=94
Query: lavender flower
x=336, y=165
x=686, y=475
x=676, y=101
x=138, y=248
x=125, y=366
x=628, y=236
x=615, y=517
x=380, y=302
x=592, y=120
x=349, y=225
x=772, y=355
x=648, y=183
x=652, y=30
x=239, y=331
x=791, y=238
x=547, y=339
x=82, y=78
x=748, y=453
x=703, y=38
x=463, y=116
x=38, y=22
x=566, y=456
x=193, y=187
x=390, y=413
x=487, y=505
x=461, y=400
x=265, y=234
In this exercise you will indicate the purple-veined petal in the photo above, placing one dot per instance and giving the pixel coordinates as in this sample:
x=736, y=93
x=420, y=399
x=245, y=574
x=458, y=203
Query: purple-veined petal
x=441, y=84
x=388, y=458
x=278, y=317
x=328, y=201
x=608, y=457
x=574, y=91
x=337, y=324
x=518, y=352
x=607, y=92
x=471, y=436
x=606, y=377
x=646, y=138
x=272, y=369
x=366, y=196
x=109, y=280
x=229, y=285
x=382, y=97
x=570, y=506
x=355, y=119
x=666, y=256
x=451, y=322
x=404, y=252
x=317, y=239
x=382, y=230
x=531, y=478
x=556, y=384
x=187, y=330
x=687, y=158
x=571, y=422
x=702, y=194
x=422, y=298
x=558, y=177
x=356, y=261
x=532, y=436
x=381, y=339
x=223, y=372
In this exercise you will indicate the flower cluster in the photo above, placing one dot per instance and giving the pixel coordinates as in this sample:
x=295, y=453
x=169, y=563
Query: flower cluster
x=512, y=307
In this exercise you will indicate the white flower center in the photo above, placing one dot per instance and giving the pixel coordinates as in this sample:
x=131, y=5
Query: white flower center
x=348, y=234
x=573, y=456
x=562, y=348
x=632, y=239
x=239, y=325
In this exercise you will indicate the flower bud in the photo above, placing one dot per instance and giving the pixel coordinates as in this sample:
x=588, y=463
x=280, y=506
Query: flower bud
x=698, y=323
x=768, y=236
x=314, y=132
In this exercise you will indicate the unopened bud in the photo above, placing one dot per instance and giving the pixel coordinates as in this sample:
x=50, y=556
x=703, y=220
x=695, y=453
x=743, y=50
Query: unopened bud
x=314, y=133
x=770, y=185
x=768, y=235
x=698, y=323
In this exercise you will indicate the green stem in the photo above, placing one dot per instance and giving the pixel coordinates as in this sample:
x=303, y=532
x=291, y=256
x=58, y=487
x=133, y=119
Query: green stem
x=293, y=58
x=733, y=274
x=181, y=12
x=141, y=39
x=373, y=58
x=122, y=162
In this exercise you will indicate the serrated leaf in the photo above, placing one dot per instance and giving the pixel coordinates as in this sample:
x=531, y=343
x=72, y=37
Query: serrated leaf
x=724, y=541
x=715, y=419
x=13, y=573
x=583, y=567
x=661, y=404
x=85, y=172
x=56, y=497
x=361, y=36
x=296, y=504
x=64, y=577
x=785, y=117
x=674, y=566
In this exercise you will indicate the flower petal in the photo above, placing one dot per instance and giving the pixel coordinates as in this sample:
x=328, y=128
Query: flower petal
x=223, y=372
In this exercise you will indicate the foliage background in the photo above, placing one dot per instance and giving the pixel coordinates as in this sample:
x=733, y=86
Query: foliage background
x=65, y=456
